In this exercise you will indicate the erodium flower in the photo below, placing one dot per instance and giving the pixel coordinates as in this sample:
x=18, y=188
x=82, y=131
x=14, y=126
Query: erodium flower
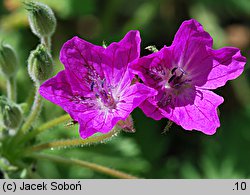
x=184, y=75
x=95, y=87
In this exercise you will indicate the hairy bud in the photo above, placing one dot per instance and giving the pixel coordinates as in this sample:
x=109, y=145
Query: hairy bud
x=11, y=113
x=41, y=19
x=40, y=64
x=8, y=60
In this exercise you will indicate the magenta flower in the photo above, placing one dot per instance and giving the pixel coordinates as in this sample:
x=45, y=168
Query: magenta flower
x=184, y=74
x=95, y=87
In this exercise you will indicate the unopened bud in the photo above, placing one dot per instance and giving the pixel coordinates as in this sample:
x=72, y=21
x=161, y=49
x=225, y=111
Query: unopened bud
x=40, y=64
x=41, y=19
x=8, y=60
x=11, y=113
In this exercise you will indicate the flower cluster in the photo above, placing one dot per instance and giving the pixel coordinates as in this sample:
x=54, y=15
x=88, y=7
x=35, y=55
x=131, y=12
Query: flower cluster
x=96, y=87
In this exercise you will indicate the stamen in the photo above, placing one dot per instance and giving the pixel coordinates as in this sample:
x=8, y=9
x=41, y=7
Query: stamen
x=157, y=73
x=81, y=100
x=182, y=70
x=173, y=70
x=178, y=78
x=99, y=87
x=92, y=86
x=102, y=83
x=176, y=81
x=171, y=79
x=159, y=70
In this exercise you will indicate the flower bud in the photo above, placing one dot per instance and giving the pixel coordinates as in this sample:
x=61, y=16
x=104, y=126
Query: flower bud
x=11, y=113
x=41, y=19
x=40, y=64
x=8, y=60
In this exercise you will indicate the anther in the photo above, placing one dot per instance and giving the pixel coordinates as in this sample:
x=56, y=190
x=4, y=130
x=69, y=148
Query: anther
x=173, y=70
x=171, y=78
x=92, y=86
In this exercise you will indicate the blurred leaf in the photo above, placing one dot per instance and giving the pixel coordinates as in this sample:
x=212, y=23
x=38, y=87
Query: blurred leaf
x=15, y=20
x=70, y=8
x=188, y=171
x=142, y=16
x=210, y=23
x=243, y=5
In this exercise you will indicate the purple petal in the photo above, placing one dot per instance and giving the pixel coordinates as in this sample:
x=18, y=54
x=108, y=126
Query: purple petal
x=144, y=67
x=201, y=114
x=189, y=50
x=182, y=73
x=228, y=64
x=150, y=109
x=191, y=30
x=104, y=121
x=81, y=58
x=58, y=91
x=95, y=121
x=133, y=97
x=117, y=56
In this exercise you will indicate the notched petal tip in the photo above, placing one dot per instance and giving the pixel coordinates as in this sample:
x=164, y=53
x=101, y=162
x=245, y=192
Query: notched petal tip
x=192, y=29
x=118, y=55
x=131, y=41
x=192, y=24
x=132, y=35
x=192, y=21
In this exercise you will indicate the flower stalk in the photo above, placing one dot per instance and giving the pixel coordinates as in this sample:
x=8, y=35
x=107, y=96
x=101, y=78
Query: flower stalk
x=11, y=88
x=76, y=142
x=85, y=164
x=47, y=42
x=35, y=111
x=46, y=126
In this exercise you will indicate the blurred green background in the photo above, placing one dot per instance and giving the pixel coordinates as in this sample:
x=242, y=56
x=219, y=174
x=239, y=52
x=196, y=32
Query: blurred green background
x=147, y=153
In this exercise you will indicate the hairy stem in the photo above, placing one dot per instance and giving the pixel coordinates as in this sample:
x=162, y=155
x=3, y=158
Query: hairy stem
x=46, y=126
x=81, y=163
x=35, y=111
x=76, y=142
x=11, y=88
x=47, y=42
